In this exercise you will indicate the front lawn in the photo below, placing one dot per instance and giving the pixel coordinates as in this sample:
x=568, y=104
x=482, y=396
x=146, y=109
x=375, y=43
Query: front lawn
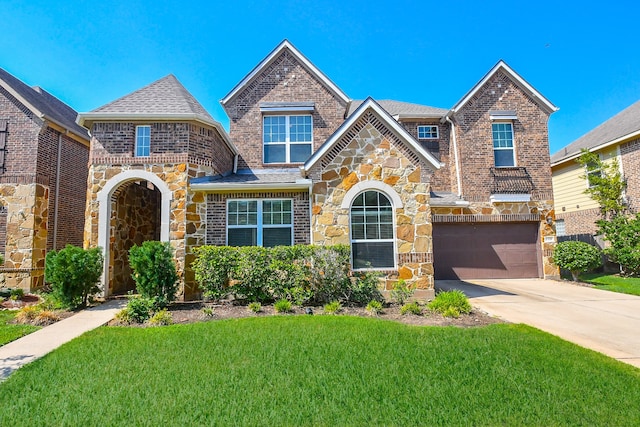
x=10, y=332
x=613, y=283
x=321, y=370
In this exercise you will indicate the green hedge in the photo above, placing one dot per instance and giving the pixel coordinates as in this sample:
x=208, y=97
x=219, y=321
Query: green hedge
x=302, y=274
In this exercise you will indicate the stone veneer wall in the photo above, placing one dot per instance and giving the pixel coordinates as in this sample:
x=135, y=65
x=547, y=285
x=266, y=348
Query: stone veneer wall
x=136, y=212
x=372, y=153
x=187, y=222
x=533, y=211
x=26, y=229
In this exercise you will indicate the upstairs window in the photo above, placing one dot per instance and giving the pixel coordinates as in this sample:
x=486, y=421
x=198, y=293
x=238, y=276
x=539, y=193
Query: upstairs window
x=593, y=172
x=372, y=243
x=503, y=152
x=287, y=139
x=265, y=223
x=427, y=132
x=143, y=141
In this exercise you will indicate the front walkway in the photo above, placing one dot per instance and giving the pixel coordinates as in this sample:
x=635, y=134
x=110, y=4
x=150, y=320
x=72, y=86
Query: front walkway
x=603, y=321
x=35, y=345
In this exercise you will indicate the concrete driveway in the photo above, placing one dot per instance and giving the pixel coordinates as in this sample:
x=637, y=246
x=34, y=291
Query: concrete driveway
x=603, y=321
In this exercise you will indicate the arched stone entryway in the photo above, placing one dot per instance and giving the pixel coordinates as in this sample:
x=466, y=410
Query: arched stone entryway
x=133, y=207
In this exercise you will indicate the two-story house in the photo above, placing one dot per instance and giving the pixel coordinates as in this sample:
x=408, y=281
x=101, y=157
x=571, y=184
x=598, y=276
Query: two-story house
x=416, y=192
x=43, y=180
x=617, y=138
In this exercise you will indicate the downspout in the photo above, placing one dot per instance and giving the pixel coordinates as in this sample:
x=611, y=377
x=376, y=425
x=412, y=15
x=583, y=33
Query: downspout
x=455, y=155
x=56, y=202
x=235, y=163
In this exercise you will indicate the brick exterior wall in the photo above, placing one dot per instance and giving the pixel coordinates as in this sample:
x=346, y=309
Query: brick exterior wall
x=580, y=222
x=475, y=140
x=442, y=179
x=286, y=80
x=170, y=143
x=217, y=214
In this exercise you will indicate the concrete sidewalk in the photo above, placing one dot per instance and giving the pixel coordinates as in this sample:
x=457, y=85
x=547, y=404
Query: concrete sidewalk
x=607, y=322
x=35, y=345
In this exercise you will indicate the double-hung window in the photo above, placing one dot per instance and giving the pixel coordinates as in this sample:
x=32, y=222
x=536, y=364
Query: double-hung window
x=143, y=141
x=427, y=132
x=265, y=222
x=503, y=151
x=593, y=173
x=372, y=244
x=287, y=139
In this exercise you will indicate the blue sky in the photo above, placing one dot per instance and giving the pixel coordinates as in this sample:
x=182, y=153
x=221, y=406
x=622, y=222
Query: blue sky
x=583, y=56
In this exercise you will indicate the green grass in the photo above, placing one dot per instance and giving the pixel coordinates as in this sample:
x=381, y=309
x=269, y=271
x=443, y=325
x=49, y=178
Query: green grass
x=321, y=370
x=613, y=283
x=10, y=332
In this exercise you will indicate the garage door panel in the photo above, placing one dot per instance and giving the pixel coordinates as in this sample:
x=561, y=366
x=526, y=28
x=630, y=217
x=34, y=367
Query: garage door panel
x=485, y=251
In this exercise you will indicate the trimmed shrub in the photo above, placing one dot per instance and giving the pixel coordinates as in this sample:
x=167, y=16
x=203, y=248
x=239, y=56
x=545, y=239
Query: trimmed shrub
x=138, y=310
x=74, y=273
x=255, y=307
x=411, y=308
x=374, y=307
x=401, y=292
x=282, y=306
x=154, y=272
x=213, y=267
x=333, y=307
x=161, y=318
x=450, y=302
x=577, y=257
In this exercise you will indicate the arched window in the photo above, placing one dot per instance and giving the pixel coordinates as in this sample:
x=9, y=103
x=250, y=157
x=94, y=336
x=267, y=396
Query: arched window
x=372, y=243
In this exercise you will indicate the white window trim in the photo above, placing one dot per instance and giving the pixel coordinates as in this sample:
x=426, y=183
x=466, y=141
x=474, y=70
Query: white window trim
x=393, y=225
x=287, y=143
x=432, y=127
x=259, y=226
x=136, y=142
x=588, y=172
x=513, y=143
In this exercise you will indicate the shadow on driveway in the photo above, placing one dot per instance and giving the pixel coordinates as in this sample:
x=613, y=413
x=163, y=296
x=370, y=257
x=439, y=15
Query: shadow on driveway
x=470, y=290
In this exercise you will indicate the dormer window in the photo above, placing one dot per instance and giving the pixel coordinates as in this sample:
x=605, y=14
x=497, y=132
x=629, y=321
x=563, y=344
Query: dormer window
x=143, y=141
x=287, y=138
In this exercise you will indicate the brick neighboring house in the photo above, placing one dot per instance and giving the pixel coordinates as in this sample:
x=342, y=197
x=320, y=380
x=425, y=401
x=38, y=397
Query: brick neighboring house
x=43, y=176
x=617, y=138
x=417, y=192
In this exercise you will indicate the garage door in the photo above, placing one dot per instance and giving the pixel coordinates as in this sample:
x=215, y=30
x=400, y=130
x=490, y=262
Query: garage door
x=485, y=251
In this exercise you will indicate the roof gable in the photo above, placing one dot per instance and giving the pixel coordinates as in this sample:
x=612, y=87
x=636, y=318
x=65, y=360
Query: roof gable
x=516, y=78
x=371, y=105
x=164, y=96
x=164, y=99
x=42, y=104
x=284, y=45
x=621, y=127
x=405, y=110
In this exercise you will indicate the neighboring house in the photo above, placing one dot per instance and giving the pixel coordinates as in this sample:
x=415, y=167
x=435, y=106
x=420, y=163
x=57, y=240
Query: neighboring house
x=43, y=176
x=619, y=138
x=417, y=192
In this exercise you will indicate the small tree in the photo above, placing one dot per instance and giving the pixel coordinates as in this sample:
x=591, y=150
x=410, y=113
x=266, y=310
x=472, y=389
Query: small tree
x=73, y=273
x=154, y=271
x=623, y=235
x=577, y=257
x=606, y=184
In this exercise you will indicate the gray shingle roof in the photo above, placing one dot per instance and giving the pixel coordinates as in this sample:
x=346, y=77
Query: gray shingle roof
x=165, y=96
x=256, y=176
x=624, y=123
x=47, y=104
x=403, y=108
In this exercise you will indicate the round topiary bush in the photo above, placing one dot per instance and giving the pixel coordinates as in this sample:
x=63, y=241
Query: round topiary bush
x=577, y=257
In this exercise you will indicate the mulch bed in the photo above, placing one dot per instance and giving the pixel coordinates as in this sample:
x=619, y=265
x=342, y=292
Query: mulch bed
x=191, y=312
